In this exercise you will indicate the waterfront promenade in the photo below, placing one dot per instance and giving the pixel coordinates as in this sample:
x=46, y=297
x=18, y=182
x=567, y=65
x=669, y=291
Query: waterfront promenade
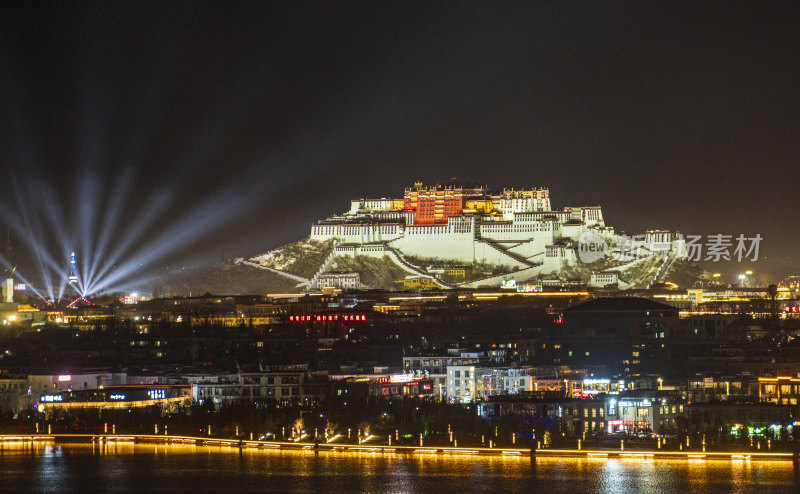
x=15, y=441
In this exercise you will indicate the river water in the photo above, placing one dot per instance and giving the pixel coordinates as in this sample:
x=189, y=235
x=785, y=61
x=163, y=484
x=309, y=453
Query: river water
x=141, y=468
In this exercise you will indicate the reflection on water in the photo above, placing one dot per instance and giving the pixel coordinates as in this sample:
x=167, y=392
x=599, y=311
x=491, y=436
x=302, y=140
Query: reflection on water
x=128, y=467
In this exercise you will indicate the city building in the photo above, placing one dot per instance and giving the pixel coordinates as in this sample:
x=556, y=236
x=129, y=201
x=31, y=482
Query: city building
x=403, y=386
x=57, y=383
x=550, y=410
x=285, y=385
x=627, y=317
x=781, y=390
x=342, y=280
x=703, y=389
x=170, y=398
x=644, y=413
x=604, y=279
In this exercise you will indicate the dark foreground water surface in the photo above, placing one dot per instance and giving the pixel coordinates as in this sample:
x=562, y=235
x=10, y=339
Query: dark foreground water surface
x=171, y=468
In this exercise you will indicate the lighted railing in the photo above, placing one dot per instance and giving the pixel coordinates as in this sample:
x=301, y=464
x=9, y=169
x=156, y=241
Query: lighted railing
x=331, y=447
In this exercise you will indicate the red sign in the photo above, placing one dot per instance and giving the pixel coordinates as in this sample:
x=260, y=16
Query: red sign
x=328, y=318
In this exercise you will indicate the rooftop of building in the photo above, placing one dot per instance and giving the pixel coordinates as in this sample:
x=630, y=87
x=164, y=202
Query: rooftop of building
x=620, y=304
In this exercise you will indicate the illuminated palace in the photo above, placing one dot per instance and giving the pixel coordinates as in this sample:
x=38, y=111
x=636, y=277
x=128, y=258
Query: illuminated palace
x=515, y=228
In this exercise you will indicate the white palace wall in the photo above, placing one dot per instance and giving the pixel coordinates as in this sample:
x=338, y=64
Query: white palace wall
x=526, y=235
x=436, y=241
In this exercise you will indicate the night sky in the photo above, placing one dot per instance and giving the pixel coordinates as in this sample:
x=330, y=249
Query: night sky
x=208, y=129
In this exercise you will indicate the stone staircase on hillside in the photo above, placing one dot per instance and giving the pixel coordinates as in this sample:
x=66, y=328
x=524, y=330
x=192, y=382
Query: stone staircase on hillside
x=299, y=279
x=323, y=268
x=512, y=255
x=398, y=259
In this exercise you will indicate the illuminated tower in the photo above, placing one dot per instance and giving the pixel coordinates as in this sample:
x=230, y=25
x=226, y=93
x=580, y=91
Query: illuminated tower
x=73, y=274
